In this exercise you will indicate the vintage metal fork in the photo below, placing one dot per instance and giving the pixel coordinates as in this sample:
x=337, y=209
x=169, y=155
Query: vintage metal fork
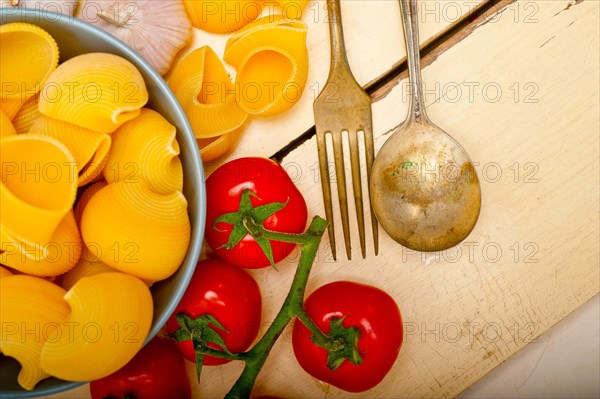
x=341, y=106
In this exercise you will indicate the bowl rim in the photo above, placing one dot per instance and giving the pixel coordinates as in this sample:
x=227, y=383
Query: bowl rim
x=198, y=225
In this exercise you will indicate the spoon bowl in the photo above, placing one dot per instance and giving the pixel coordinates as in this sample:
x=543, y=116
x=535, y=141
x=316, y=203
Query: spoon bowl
x=424, y=189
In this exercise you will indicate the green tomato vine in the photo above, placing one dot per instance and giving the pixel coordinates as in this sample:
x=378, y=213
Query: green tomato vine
x=340, y=342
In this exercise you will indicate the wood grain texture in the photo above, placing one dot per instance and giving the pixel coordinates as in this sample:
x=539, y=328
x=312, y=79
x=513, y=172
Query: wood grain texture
x=520, y=93
x=532, y=126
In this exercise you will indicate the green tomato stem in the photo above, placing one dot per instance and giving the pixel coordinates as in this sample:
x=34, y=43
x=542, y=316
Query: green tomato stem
x=319, y=335
x=256, y=357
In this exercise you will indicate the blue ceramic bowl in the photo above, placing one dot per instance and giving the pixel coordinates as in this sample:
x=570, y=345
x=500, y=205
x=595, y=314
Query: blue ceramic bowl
x=75, y=37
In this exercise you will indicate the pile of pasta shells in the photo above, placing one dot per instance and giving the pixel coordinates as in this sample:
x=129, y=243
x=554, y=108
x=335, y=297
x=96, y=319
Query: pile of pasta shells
x=92, y=210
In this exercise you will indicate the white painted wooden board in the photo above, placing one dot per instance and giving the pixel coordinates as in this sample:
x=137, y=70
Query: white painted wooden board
x=533, y=256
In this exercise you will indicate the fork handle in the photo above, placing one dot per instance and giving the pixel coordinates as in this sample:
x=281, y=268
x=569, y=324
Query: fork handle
x=410, y=19
x=336, y=32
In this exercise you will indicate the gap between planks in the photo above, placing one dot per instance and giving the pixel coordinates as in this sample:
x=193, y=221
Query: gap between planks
x=430, y=51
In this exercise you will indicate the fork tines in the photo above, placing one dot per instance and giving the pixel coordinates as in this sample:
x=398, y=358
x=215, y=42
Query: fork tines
x=348, y=110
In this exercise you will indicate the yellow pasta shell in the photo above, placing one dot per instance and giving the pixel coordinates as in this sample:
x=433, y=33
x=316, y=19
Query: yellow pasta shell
x=26, y=115
x=205, y=91
x=85, y=197
x=146, y=148
x=28, y=55
x=31, y=310
x=37, y=187
x=4, y=272
x=10, y=106
x=222, y=16
x=213, y=148
x=111, y=314
x=271, y=58
x=52, y=259
x=89, y=265
x=136, y=230
x=96, y=91
x=89, y=148
x=6, y=126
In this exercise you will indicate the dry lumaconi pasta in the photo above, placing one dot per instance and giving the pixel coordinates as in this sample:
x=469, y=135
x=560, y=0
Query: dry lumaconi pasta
x=222, y=16
x=89, y=148
x=26, y=115
x=213, y=148
x=96, y=91
x=27, y=304
x=89, y=264
x=271, y=60
x=38, y=186
x=85, y=197
x=6, y=126
x=10, y=107
x=146, y=148
x=204, y=89
x=102, y=305
x=137, y=230
x=56, y=257
x=29, y=55
x=4, y=272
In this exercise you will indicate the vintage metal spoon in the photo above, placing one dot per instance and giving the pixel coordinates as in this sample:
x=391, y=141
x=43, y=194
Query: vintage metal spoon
x=424, y=189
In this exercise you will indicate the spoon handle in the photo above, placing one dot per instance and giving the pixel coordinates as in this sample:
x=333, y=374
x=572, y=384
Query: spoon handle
x=410, y=19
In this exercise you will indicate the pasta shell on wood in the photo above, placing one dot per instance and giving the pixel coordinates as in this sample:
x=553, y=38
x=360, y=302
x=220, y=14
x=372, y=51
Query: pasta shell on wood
x=96, y=91
x=137, y=230
x=213, y=148
x=205, y=91
x=56, y=257
x=28, y=304
x=271, y=58
x=222, y=16
x=146, y=148
x=28, y=55
x=38, y=186
x=98, y=301
x=89, y=148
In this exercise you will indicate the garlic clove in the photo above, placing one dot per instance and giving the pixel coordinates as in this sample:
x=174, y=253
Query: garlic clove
x=156, y=30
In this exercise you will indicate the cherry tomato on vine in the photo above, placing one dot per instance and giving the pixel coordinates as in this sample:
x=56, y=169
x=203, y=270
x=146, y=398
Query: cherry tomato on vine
x=367, y=308
x=230, y=295
x=269, y=183
x=156, y=372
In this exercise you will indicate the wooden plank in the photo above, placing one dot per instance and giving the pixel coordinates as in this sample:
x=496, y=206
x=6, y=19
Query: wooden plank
x=532, y=126
x=374, y=43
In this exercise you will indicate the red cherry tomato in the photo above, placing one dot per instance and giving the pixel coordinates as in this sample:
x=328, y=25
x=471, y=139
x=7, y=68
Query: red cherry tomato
x=156, y=372
x=229, y=294
x=377, y=317
x=270, y=183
